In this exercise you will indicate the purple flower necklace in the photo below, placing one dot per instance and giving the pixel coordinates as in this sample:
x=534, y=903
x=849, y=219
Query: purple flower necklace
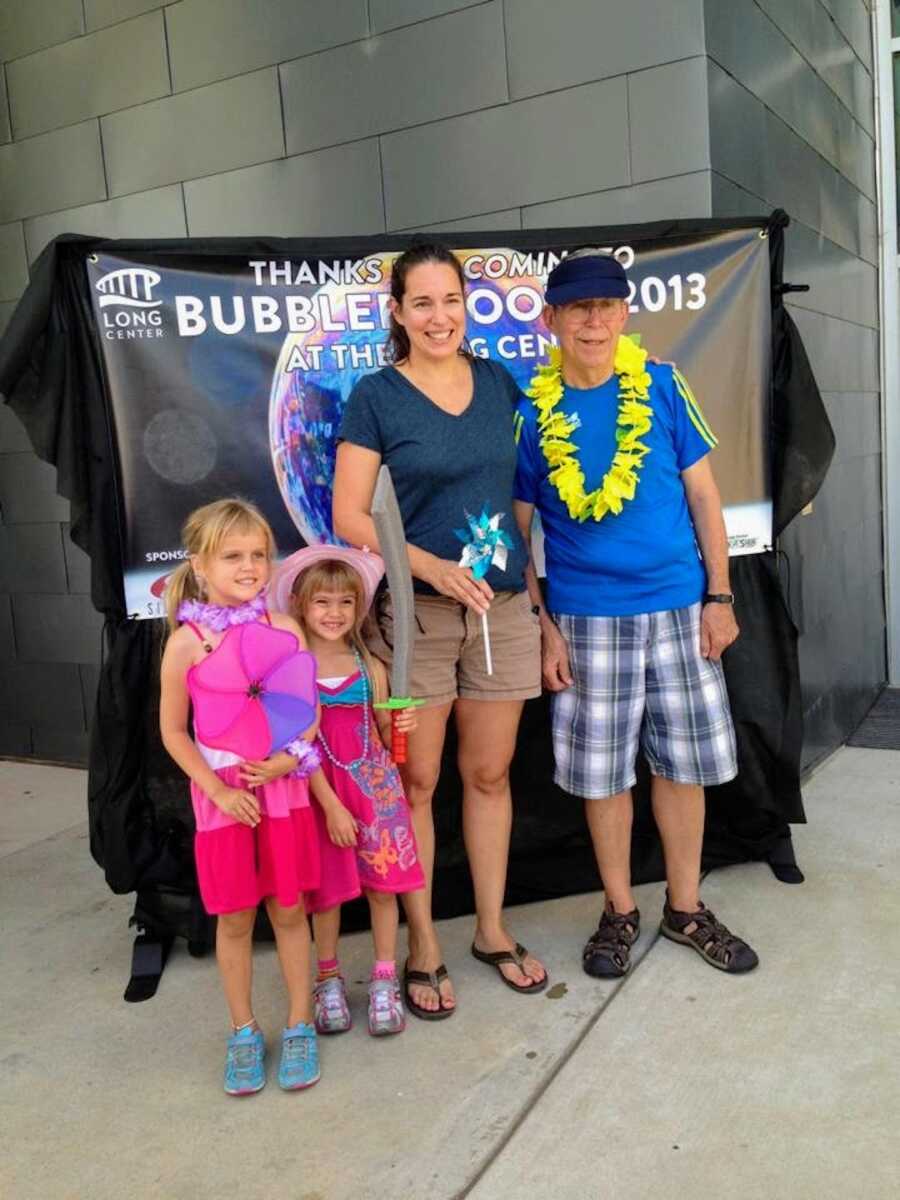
x=219, y=617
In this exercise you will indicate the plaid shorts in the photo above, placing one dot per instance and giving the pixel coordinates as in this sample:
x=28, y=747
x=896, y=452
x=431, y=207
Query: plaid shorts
x=640, y=682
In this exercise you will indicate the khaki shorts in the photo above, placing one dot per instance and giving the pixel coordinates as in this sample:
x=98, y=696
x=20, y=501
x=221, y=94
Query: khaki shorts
x=448, y=656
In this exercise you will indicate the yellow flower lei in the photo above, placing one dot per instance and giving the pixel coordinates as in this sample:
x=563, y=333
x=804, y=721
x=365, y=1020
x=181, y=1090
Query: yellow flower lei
x=634, y=419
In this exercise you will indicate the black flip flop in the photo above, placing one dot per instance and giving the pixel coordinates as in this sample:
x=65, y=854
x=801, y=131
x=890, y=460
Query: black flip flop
x=432, y=979
x=516, y=957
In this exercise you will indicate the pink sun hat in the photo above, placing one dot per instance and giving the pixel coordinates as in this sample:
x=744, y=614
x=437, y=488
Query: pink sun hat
x=368, y=565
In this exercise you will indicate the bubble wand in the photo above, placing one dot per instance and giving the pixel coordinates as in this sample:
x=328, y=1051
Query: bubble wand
x=485, y=545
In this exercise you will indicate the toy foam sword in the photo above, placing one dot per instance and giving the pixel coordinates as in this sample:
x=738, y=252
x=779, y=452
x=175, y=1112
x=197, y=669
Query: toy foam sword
x=392, y=545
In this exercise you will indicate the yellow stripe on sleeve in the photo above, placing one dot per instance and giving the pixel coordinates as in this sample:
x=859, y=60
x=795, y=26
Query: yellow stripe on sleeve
x=694, y=411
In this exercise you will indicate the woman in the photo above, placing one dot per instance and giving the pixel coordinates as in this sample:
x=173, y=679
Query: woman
x=442, y=421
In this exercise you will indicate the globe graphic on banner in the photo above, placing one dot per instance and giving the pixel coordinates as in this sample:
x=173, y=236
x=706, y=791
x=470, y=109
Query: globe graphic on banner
x=317, y=370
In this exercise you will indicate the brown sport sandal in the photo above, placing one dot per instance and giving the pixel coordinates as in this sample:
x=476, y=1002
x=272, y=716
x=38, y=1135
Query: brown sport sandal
x=607, y=954
x=709, y=937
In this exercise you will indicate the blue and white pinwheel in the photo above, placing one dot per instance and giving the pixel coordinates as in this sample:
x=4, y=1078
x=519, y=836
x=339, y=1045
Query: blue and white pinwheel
x=485, y=545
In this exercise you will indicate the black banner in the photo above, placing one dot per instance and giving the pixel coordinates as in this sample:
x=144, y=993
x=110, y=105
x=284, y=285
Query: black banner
x=52, y=361
x=227, y=374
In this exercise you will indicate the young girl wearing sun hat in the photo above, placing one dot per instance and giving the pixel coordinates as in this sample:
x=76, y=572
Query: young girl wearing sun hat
x=366, y=841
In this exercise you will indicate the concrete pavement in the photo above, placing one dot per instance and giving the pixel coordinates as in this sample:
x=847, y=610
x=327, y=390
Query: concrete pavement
x=780, y=1084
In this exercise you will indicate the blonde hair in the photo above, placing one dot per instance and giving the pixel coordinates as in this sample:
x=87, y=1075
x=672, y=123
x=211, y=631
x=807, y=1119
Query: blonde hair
x=202, y=534
x=333, y=575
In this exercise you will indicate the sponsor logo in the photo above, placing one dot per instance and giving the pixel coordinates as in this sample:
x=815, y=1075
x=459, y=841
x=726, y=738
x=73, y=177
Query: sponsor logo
x=128, y=310
x=159, y=586
x=743, y=541
x=128, y=286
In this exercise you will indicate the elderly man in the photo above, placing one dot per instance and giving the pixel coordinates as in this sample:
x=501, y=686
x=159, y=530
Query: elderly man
x=613, y=453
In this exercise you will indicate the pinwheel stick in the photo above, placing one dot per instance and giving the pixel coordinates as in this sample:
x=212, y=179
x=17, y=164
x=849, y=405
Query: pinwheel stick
x=485, y=545
x=488, y=664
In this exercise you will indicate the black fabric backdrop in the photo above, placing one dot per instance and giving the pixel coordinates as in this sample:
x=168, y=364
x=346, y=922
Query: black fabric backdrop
x=141, y=825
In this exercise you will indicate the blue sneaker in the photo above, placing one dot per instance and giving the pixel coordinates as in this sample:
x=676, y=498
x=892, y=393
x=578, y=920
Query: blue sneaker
x=299, y=1067
x=244, y=1069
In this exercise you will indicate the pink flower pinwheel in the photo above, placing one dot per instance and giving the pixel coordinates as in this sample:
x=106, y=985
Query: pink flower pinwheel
x=254, y=693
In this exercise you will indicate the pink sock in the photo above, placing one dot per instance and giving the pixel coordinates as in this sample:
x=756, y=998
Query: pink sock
x=327, y=967
x=384, y=970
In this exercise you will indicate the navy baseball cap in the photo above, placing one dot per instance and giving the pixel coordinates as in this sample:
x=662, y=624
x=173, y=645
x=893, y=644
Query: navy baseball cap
x=586, y=277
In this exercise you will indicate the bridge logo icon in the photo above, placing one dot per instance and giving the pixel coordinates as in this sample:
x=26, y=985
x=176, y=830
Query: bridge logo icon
x=128, y=286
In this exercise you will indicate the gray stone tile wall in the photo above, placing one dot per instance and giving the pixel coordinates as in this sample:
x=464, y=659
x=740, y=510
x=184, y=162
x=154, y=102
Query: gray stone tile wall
x=135, y=118
x=410, y=76
x=811, y=29
x=852, y=18
x=796, y=79
x=678, y=196
x=28, y=491
x=423, y=183
x=99, y=73
x=770, y=159
x=326, y=192
x=746, y=43
x=158, y=213
x=5, y=131
x=601, y=40
x=29, y=25
x=507, y=218
x=667, y=120
x=13, y=266
x=6, y=311
x=215, y=39
x=200, y=132
x=13, y=437
x=32, y=561
x=100, y=13
x=56, y=170
x=391, y=14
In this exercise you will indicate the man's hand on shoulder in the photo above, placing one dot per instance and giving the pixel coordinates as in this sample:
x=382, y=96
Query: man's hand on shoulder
x=718, y=629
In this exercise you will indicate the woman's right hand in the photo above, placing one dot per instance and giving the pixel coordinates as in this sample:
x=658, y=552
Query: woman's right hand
x=237, y=803
x=450, y=579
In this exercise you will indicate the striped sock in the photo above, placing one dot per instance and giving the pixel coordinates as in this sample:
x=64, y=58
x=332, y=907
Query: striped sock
x=328, y=968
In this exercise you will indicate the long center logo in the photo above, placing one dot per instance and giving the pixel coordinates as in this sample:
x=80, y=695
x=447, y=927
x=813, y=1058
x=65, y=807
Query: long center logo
x=129, y=286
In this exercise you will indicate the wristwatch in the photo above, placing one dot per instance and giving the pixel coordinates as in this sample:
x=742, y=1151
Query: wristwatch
x=718, y=598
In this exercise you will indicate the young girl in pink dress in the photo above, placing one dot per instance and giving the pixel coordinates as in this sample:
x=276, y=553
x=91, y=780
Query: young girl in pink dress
x=256, y=838
x=365, y=832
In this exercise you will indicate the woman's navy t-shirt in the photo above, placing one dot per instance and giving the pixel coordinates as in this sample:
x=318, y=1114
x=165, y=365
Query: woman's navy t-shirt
x=443, y=466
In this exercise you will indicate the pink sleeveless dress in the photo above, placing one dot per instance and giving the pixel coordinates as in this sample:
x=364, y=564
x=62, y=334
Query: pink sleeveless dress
x=237, y=866
x=384, y=858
